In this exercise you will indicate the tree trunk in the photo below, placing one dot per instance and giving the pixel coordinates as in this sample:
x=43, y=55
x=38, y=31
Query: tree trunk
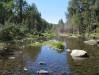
x=20, y=13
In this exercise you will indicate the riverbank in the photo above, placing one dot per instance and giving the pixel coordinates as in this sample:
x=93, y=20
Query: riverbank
x=86, y=36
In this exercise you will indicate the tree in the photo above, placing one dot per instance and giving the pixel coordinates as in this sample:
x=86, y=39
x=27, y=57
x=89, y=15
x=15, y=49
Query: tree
x=61, y=22
x=83, y=14
x=19, y=12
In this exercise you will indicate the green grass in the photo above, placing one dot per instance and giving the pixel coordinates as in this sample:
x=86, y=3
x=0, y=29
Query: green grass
x=36, y=44
x=52, y=43
x=55, y=44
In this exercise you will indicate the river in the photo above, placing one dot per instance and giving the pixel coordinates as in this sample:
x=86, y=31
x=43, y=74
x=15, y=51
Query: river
x=34, y=59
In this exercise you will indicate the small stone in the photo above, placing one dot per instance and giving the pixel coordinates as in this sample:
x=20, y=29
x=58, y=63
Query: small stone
x=11, y=58
x=25, y=69
x=42, y=72
x=42, y=63
x=68, y=50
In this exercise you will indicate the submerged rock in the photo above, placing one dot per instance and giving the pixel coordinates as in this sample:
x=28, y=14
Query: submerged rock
x=43, y=72
x=78, y=53
x=42, y=63
x=91, y=42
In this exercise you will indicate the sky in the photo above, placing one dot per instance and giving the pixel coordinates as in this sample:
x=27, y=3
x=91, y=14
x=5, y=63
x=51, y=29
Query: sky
x=51, y=10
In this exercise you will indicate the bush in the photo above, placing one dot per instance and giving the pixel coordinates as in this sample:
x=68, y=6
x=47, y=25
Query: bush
x=11, y=32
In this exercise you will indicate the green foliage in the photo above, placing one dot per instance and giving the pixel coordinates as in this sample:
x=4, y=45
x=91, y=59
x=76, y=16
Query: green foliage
x=58, y=45
x=21, y=22
x=20, y=11
x=55, y=44
x=18, y=18
x=83, y=15
x=36, y=44
x=11, y=32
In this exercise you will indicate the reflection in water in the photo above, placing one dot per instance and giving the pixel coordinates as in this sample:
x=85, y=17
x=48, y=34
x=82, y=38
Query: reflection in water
x=10, y=67
x=55, y=63
x=10, y=61
x=31, y=52
x=84, y=67
x=78, y=58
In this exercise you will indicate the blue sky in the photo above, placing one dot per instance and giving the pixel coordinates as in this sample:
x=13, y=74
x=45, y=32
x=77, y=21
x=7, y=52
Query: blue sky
x=51, y=10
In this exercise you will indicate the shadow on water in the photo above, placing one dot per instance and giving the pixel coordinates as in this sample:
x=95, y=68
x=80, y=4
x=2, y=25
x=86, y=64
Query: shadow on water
x=89, y=66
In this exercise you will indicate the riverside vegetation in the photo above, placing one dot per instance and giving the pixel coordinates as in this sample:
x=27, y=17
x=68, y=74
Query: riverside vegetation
x=23, y=24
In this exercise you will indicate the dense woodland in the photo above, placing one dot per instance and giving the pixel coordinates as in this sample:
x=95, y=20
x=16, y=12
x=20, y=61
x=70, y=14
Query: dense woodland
x=83, y=17
x=18, y=18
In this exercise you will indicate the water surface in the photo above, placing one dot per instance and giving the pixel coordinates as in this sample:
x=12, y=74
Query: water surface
x=89, y=66
x=55, y=62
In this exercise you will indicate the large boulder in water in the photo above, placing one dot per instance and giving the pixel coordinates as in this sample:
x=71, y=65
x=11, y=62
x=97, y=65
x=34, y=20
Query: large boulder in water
x=79, y=53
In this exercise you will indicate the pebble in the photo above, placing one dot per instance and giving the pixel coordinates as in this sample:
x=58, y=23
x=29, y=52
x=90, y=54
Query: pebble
x=11, y=58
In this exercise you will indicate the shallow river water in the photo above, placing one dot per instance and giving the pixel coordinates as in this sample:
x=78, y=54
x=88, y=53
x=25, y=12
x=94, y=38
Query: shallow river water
x=54, y=62
x=34, y=59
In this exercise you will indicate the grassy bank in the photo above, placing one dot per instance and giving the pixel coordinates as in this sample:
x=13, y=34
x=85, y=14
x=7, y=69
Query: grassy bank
x=52, y=43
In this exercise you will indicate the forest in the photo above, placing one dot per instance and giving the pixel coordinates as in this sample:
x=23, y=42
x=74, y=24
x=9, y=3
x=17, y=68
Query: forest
x=18, y=19
x=83, y=17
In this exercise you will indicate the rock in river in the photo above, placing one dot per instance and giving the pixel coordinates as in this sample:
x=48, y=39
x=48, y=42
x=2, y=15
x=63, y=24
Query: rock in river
x=25, y=69
x=91, y=42
x=78, y=53
x=42, y=63
x=43, y=72
x=68, y=50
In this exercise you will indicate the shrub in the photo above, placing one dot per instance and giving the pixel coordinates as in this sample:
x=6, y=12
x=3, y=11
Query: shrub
x=11, y=32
